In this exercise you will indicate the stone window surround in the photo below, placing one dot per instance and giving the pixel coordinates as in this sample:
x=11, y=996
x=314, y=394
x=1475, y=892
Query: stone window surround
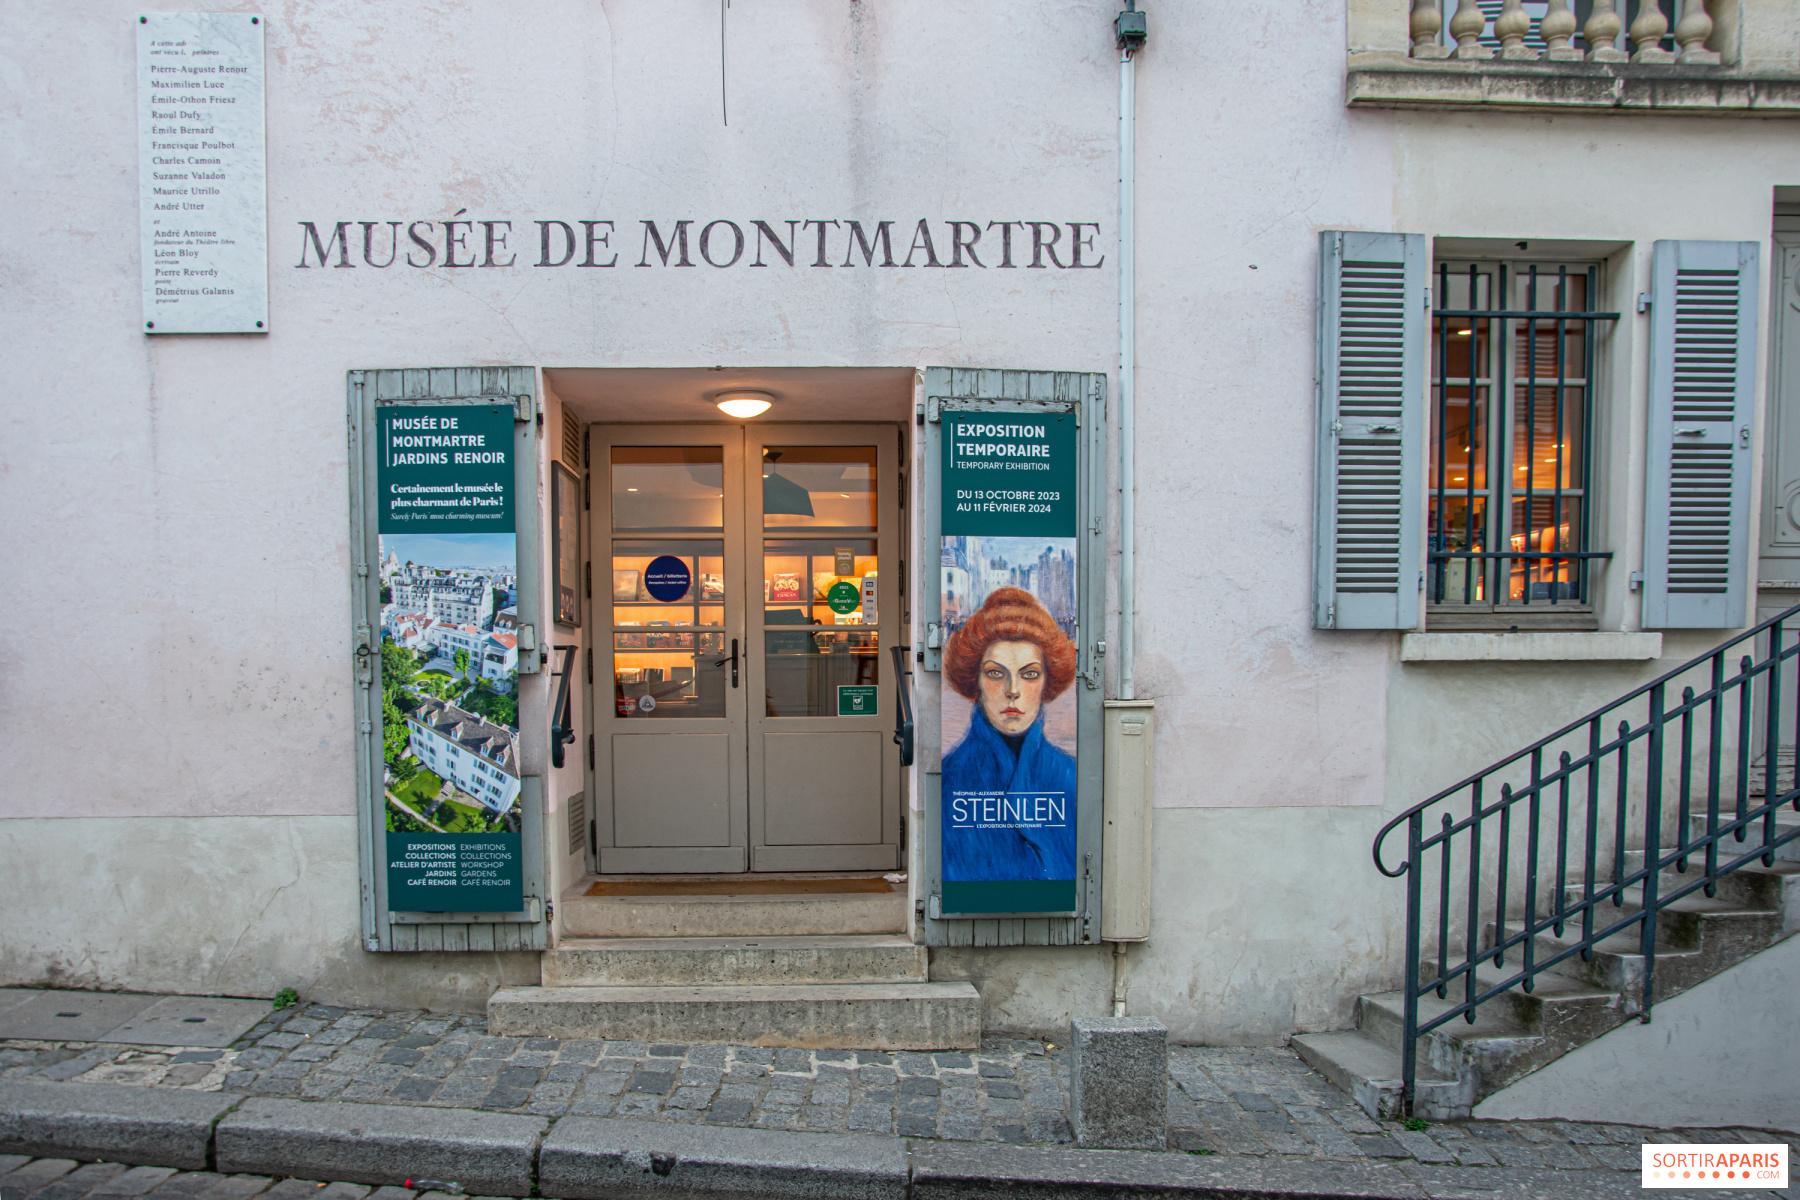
x=1759, y=74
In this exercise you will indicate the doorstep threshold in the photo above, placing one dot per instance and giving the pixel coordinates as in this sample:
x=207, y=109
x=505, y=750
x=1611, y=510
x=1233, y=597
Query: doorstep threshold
x=602, y=887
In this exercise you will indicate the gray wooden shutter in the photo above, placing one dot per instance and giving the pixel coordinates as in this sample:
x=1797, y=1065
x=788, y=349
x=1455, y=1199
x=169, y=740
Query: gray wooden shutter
x=385, y=929
x=1697, y=487
x=1371, y=392
x=964, y=389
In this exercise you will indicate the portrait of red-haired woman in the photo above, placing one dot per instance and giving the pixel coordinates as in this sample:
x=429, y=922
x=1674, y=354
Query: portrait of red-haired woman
x=1010, y=660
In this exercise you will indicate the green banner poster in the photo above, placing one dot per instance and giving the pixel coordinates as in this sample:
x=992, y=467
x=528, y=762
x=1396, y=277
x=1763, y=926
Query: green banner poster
x=1008, y=567
x=449, y=657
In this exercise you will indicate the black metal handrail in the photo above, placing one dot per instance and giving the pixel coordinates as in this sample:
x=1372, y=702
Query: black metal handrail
x=903, y=711
x=562, y=724
x=1567, y=878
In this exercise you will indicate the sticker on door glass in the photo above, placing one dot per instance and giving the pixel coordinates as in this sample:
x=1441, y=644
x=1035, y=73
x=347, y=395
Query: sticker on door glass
x=857, y=699
x=667, y=578
x=844, y=597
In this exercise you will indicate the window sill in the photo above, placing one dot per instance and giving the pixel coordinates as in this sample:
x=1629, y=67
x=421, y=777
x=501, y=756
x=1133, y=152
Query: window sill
x=1530, y=647
x=1393, y=81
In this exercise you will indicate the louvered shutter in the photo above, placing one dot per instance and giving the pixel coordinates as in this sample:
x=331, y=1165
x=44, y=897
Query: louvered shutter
x=1371, y=395
x=1702, y=375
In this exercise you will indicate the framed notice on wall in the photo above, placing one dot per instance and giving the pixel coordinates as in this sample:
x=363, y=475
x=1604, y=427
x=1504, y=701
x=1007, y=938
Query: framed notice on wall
x=203, y=224
x=565, y=534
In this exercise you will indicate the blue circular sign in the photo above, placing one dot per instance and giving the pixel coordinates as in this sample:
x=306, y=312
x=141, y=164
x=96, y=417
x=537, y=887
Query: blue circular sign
x=667, y=578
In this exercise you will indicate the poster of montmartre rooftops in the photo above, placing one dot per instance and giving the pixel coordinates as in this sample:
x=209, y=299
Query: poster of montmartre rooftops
x=450, y=660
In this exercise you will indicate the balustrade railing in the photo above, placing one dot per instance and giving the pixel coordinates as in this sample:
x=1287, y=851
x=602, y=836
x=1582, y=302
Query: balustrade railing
x=1595, y=31
x=1591, y=832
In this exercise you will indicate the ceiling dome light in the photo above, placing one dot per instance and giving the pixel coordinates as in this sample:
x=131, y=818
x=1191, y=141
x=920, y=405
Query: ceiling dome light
x=744, y=405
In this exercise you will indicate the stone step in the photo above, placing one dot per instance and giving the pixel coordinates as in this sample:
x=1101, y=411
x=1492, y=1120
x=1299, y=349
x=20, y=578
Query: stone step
x=1730, y=847
x=1784, y=775
x=1724, y=930
x=1776, y=888
x=732, y=916
x=1369, y=1072
x=843, y=1016
x=1565, y=1011
x=625, y=962
x=1617, y=964
x=1513, y=1034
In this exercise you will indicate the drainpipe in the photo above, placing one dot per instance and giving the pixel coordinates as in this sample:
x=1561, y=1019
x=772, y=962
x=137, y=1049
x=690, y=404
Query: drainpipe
x=1130, y=29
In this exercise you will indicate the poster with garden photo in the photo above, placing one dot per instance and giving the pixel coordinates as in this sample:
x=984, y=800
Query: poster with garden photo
x=448, y=554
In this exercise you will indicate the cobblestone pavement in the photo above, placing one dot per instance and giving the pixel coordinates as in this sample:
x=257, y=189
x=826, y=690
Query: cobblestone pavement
x=1229, y=1101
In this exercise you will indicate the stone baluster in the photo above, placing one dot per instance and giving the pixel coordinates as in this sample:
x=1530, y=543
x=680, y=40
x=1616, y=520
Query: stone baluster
x=1695, y=26
x=1426, y=23
x=1602, y=33
x=1647, y=34
x=1511, y=27
x=1558, y=30
x=1466, y=27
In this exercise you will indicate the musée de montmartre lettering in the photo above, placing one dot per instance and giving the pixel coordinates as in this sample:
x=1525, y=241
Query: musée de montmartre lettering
x=719, y=243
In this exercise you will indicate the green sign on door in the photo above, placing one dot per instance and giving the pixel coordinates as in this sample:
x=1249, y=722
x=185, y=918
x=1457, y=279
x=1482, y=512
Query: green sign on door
x=857, y=699
x=843, y=597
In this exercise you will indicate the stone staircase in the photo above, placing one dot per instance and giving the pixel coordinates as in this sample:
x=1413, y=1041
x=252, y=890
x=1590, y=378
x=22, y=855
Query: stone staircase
x=1517, y=1032
x=822, y=971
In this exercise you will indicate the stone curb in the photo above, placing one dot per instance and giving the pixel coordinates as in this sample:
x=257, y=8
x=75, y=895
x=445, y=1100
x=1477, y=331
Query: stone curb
x=488, y=1153
x=111, y=1122
x=964, y=1171
x=598, y=1158
x=591, y=1158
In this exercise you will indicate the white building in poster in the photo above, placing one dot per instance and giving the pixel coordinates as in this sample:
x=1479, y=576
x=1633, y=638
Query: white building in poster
x=476, y=755
x=460, y=598
x=500, y=659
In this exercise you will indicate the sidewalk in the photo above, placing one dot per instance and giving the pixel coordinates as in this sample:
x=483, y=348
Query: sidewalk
x=1249, y=1112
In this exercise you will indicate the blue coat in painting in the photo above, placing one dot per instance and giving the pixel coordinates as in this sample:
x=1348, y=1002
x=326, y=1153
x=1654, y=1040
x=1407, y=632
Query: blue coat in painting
x=985, y=762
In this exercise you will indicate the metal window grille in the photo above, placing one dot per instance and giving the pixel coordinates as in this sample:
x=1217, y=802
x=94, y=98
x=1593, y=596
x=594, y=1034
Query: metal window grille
x=1513, y=349
x=1535, y=9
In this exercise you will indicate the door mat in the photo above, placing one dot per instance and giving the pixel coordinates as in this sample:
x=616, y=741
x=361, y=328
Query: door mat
x=742, y=886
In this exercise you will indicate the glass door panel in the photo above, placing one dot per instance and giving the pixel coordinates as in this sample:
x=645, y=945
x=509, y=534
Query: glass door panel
x=667, y=652
x=668, y=592
x=668, y=489
x=820, y=618
x=820, y=610
x=817, y=487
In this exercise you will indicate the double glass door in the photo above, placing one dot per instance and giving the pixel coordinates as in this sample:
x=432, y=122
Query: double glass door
x=745, y=594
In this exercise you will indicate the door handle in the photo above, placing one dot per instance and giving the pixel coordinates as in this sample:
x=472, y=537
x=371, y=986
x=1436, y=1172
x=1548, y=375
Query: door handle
x=734, y=662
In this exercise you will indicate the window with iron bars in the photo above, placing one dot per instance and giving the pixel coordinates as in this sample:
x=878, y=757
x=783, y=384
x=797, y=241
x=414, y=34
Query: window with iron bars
x=1535, y=9
x=1514, y=355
